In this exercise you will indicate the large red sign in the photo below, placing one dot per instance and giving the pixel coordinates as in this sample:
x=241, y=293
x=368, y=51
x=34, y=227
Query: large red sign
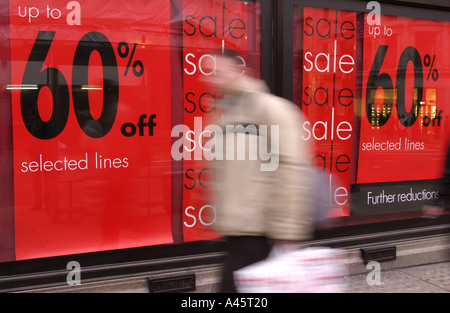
x=405, y=102
x=92, y=113
x=208, y=30
x=328, y=97
x=91, y=125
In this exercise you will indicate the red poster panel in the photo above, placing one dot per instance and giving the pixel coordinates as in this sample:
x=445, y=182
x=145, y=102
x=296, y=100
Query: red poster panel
x=209, y=27
x=91, y=106
x=328, y=90
x=405, y=102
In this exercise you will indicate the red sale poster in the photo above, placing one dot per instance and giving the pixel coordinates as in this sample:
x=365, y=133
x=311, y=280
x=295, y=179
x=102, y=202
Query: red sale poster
x=209, y=27
x=405, y=101
x=328, y=97
x=90, y=89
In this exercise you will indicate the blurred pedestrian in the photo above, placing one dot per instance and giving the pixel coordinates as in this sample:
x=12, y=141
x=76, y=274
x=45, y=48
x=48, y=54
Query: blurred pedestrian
x=437, y=207
x=265, y=200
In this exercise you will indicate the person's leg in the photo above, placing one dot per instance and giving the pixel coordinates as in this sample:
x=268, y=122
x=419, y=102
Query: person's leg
x=242, y=251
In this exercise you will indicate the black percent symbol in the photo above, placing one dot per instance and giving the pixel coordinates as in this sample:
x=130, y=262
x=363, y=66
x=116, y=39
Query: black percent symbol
x=123, y=50
x=430, y=63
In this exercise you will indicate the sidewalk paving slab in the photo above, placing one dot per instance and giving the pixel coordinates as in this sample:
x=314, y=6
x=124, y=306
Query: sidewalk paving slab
x=429, y=278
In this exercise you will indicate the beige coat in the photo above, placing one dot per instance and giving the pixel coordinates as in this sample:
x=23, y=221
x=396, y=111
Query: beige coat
x=252, y=202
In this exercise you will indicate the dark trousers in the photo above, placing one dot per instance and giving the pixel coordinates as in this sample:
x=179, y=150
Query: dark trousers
x=242, y=251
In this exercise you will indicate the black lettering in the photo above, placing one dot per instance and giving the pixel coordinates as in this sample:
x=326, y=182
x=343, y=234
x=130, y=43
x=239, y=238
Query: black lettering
x=190, y=101
x=192, y=25
x=328, y=22
x=345, y=93
x=350, y=28
x=128, y=133
x=310, y=26
x=324, y=102
x=324, y=161
x=242, y=26
x=345, y=161
x=191, y=178
x=307, y=95
x=200, y=178
x=200, y=102
x=201, y=25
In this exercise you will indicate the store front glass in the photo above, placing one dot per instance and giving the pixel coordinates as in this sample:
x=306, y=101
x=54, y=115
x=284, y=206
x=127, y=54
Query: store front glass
x=373, y=89
x=92, y=96
x=104, y=114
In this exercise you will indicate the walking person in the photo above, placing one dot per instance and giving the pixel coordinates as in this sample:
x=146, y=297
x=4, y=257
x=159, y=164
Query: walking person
x=438, y=206
x=264, y=201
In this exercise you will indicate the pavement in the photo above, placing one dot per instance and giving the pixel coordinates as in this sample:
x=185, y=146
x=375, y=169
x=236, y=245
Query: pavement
x=426, y=278
x=429, y=278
